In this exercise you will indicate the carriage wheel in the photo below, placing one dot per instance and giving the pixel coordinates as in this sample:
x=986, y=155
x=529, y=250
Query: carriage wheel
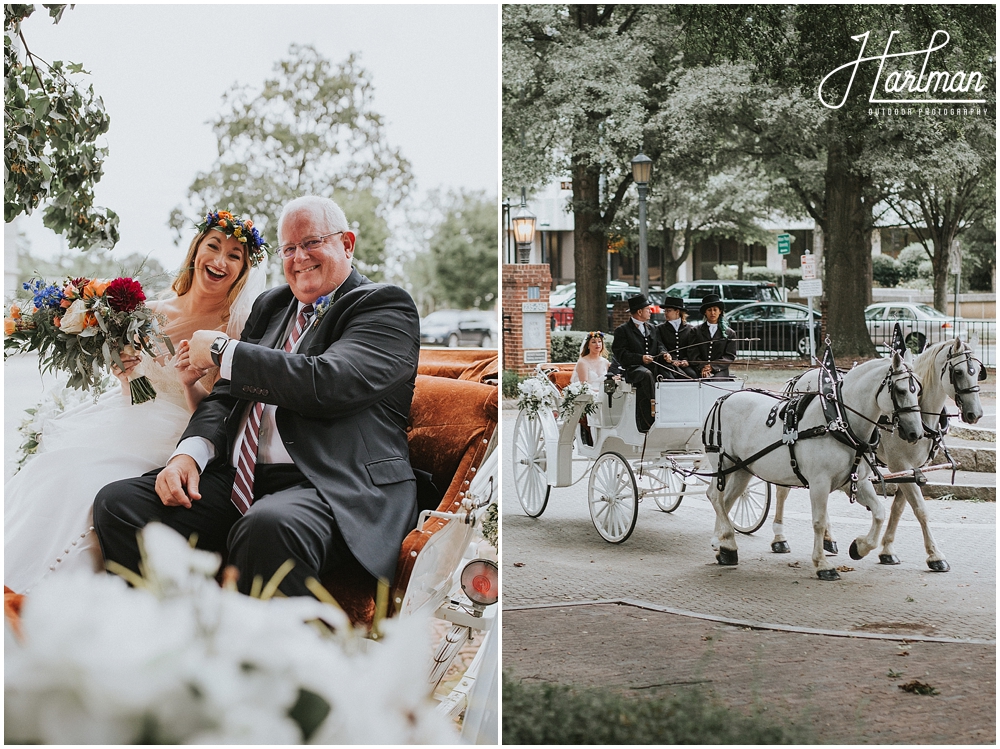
x=530, y=483
x=750, y=509
x=666, y=478
x=614, y=498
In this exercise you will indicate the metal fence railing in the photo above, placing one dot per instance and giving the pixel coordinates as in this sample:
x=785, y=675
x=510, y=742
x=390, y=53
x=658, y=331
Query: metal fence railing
x=777, y=340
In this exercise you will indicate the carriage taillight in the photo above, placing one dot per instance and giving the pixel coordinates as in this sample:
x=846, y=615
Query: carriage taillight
x=946, y=325
x=480, y=582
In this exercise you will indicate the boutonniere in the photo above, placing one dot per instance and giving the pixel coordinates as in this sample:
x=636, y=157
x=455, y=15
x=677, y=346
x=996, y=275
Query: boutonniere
x=321, y=305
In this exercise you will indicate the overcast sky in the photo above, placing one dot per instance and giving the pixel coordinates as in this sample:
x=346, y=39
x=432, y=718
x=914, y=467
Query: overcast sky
x=162, y=70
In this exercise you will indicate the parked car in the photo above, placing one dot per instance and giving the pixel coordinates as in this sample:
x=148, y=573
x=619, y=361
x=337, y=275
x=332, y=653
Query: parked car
x=562, y=314
x=921, y=324
x=452, y=327
x=733, y=294
x=780, y=327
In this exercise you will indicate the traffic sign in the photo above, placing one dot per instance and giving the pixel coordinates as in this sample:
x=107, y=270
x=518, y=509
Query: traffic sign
x=808, y=264
x=784, y=244
x=811, y=288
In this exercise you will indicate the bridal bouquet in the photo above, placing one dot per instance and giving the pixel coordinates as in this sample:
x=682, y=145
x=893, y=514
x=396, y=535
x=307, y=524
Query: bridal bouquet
x=83, y=326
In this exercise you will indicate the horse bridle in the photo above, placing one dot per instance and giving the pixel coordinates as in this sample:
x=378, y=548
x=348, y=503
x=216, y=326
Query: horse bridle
x=966, y=359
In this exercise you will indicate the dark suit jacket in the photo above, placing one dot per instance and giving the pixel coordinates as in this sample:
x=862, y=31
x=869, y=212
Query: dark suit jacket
x=715, y=350
x=678, y=343
x=629, y=345
x=343, y=404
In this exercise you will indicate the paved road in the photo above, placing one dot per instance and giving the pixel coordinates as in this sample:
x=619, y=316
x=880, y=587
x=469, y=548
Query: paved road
x=668, y=563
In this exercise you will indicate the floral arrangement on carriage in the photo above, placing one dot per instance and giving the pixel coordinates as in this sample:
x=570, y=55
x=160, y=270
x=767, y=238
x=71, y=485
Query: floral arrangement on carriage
x=538, y=392
x=83, y=326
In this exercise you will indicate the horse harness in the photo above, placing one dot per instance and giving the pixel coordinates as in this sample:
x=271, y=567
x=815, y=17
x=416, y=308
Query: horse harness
x=790, y=409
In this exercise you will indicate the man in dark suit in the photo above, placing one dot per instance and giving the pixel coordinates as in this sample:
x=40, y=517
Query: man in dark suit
x=716, y=347
x=637, y=348
x=677, y=338
x=300, y=451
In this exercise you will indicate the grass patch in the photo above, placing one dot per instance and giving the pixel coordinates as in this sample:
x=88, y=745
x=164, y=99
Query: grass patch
x=558, y=714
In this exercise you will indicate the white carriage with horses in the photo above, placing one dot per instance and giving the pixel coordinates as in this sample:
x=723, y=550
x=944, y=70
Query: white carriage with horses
x=565, y=432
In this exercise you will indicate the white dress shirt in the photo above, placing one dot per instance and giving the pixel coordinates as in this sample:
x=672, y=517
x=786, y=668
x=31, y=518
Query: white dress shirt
x=676, y=323
x=640, y=325
x=270, y=448
x=712, y=329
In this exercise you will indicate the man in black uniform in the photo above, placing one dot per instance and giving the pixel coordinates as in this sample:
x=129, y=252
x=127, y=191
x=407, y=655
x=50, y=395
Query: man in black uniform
x=636, y=347
x=678, y=338
x=716, y=349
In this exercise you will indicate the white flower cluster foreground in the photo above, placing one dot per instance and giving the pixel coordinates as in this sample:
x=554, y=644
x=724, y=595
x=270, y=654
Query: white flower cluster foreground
x=186, y=661
x=535, y=393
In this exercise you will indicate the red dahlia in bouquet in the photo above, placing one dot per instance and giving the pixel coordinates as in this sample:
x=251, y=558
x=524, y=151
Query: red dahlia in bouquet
x=83, y=326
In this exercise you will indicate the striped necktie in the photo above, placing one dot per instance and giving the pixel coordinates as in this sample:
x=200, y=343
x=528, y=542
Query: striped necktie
x=242, y=495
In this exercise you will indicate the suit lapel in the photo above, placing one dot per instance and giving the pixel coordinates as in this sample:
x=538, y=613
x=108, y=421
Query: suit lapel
x=278, y=324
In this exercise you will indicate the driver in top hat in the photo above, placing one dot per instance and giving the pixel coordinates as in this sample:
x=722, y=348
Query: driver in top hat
x=678, y=338
x=637, y=347
x=716, y=346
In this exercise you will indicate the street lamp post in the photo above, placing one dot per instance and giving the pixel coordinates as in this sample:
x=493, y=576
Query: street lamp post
x=506, y=226
x=523, y=222
x=642, y=166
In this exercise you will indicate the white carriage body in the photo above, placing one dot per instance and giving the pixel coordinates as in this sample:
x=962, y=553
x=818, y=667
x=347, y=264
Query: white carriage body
x=623, y=463
x=681, y=407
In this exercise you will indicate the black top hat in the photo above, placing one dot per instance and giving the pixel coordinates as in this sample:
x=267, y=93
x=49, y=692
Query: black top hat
x=712, y=300
x=673, y=302
x=636, y=303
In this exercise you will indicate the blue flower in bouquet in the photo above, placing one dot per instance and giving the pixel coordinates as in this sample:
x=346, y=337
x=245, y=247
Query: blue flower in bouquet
x=44, y=295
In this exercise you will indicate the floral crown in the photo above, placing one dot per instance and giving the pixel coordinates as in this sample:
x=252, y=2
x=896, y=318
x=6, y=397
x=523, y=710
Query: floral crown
x=243, y=230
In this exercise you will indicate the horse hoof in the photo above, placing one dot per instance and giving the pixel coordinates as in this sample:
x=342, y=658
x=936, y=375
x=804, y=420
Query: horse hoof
x=830, y=574
x=939, y=565
x=830, y=546
x=781, y=547
x=888, y=559
x=853, y=551
x=728, y=557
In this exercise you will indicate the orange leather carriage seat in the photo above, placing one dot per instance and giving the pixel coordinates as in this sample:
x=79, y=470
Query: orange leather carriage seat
x=477, y=365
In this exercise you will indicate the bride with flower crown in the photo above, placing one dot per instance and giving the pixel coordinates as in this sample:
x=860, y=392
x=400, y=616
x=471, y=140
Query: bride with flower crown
x=48, y=503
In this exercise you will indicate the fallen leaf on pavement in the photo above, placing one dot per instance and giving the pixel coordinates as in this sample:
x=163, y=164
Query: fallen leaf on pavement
x=518, y=564
x=845, y=568
x=918, y=687
x=793, y=564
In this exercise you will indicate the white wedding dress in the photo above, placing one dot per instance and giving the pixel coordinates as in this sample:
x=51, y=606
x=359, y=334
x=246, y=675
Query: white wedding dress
x=48, y=504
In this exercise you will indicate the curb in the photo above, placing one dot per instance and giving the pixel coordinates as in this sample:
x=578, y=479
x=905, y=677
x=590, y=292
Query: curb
x=752, y=624
x=976, y=434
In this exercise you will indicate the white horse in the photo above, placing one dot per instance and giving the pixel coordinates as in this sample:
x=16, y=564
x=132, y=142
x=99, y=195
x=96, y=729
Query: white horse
x=870, y=390
x=946, y=370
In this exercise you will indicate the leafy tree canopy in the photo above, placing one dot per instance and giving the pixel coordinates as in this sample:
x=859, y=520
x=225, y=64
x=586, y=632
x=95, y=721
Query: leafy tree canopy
x=51, y=127
x=460, y=267
x=310, y=130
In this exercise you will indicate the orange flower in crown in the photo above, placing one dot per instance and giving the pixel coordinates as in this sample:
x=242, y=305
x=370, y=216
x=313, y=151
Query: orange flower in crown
x=241, y=229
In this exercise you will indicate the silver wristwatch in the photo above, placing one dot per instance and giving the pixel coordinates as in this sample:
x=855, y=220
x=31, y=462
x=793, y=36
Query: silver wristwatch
x=216, y=349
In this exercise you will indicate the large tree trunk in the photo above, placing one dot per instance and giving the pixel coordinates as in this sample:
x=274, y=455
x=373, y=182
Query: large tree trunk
x=941, y=263
x=671, y=263
x=590, y=249
x=848, y=256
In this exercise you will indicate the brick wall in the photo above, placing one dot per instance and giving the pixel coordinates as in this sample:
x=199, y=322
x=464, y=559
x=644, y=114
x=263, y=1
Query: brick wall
x=516, y=279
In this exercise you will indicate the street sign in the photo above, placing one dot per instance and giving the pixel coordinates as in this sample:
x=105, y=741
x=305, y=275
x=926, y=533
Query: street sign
x=810, y=288
x=955, y=258
x=784, y=244
x=808, y=267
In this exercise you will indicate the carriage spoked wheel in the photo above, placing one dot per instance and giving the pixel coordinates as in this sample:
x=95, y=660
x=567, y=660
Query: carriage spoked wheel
x=613, y=498
x=530, y=482
x=666, y=479
x=750, y=509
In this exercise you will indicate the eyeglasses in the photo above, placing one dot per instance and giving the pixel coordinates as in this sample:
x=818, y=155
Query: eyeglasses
x=309, y=244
